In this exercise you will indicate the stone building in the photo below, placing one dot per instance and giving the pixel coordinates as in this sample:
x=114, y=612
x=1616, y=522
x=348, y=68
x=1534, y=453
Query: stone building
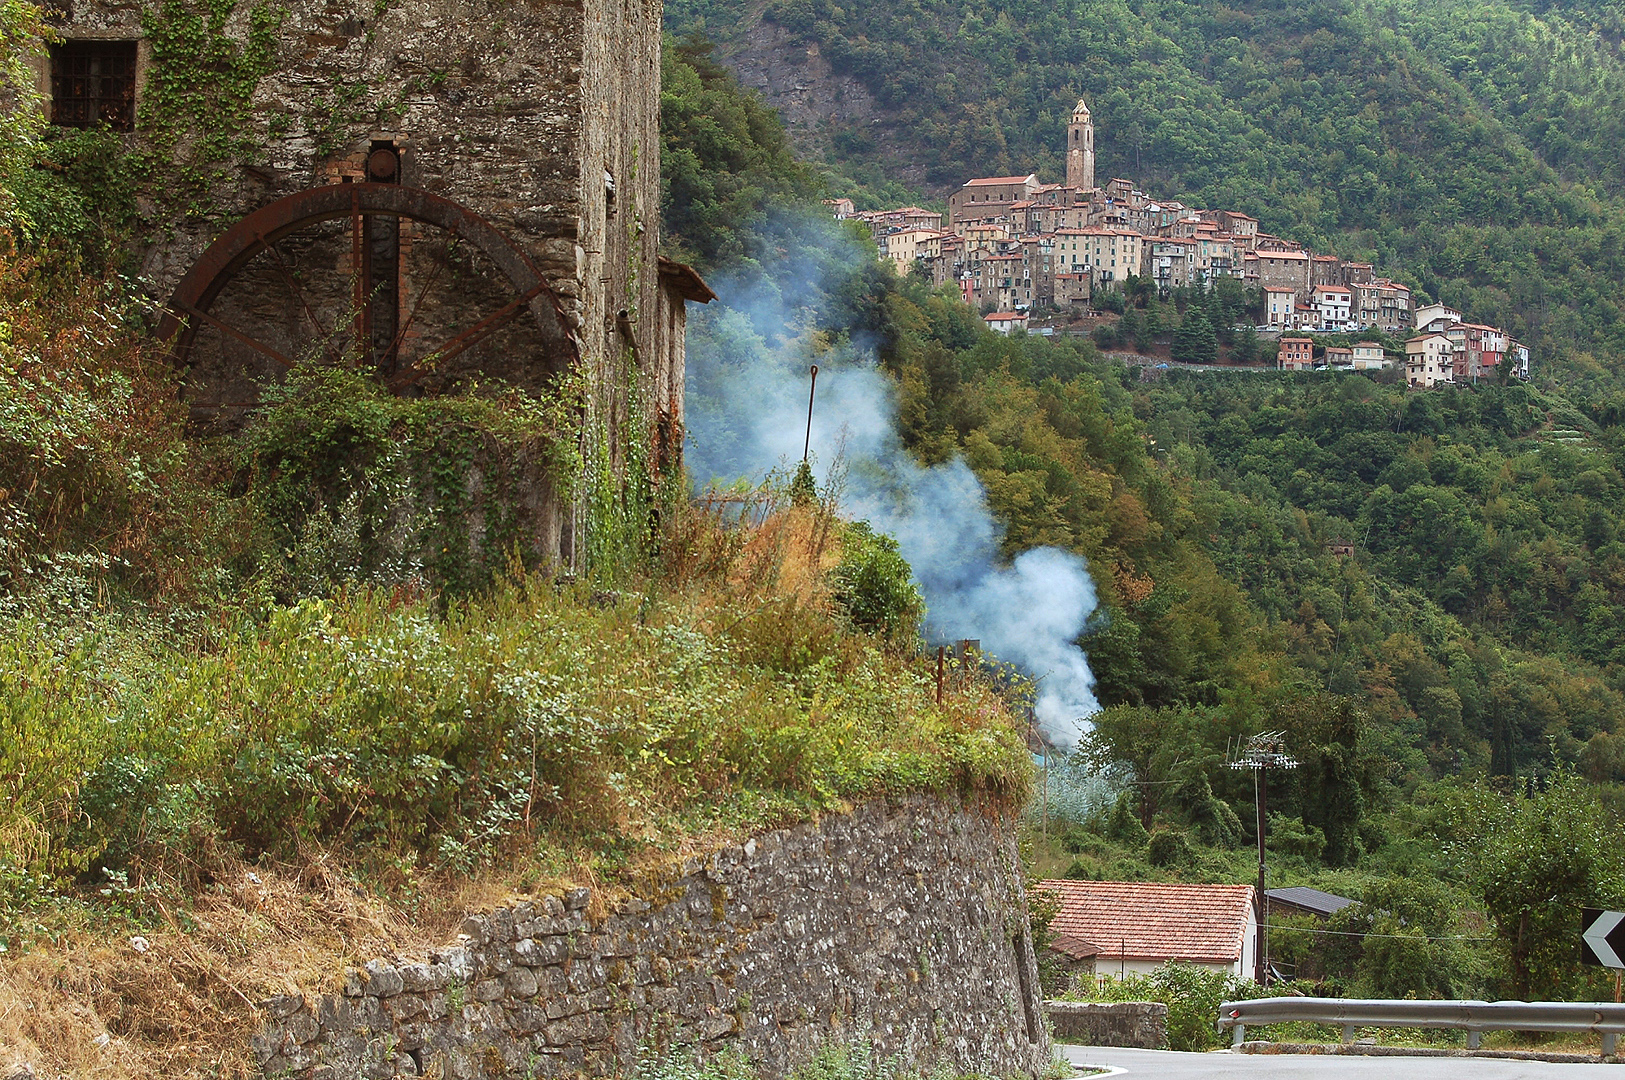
x=1080, y=149
x=441, y=191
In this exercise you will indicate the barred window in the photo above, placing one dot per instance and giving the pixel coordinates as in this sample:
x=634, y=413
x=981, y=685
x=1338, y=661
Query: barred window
x=93, y=82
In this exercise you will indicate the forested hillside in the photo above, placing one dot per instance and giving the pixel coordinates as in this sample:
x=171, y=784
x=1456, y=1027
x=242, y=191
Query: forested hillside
x=1424, y=591
x=1469, y=149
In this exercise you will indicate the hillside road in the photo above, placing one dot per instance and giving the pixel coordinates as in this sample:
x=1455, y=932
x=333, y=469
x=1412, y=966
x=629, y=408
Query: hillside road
x=1167, y=1065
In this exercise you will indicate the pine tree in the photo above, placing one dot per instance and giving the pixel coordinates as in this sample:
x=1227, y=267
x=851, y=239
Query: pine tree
x=1195, y=341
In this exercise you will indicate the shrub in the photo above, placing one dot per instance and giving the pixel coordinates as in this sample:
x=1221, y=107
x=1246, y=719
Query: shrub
x=1169, y=847
x=874, y=585
x=1193, y=996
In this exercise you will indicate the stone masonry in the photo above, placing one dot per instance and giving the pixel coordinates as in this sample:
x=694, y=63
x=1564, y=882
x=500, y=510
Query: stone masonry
x=904, y=922
x=540, y=117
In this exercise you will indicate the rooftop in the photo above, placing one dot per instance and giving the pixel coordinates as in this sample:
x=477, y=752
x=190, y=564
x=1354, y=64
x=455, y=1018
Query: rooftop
x=1203, y=924
x=1301, y=896
x=990, y=181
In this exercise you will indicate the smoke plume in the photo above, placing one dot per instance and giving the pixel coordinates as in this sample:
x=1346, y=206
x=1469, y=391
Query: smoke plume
x=748, y=359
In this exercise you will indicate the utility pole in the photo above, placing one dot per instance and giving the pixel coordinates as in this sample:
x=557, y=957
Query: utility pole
x=1261, y=753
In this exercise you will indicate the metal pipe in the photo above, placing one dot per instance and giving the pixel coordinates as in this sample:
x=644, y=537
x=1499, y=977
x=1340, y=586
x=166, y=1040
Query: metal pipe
x=811, y=390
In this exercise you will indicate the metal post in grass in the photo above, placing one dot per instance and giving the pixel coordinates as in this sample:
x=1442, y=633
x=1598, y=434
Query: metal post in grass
x=1261, y=753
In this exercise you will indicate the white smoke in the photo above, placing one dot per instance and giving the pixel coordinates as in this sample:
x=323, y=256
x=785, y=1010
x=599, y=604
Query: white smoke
x=747, y=413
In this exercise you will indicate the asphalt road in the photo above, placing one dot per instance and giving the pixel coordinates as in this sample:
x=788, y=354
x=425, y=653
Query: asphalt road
x=1167, y=1065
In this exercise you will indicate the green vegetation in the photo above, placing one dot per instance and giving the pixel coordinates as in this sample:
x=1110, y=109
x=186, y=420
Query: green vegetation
x=330, y=636
x=1468, y=149
x=1452, y=687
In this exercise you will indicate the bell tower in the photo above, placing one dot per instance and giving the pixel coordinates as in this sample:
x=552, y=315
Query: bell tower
x=1080, y=149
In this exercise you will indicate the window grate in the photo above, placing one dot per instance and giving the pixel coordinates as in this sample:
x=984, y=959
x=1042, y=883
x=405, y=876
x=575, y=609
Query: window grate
x=93, y=82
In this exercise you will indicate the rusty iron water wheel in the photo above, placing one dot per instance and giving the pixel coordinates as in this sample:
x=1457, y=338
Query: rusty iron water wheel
x=402, y=348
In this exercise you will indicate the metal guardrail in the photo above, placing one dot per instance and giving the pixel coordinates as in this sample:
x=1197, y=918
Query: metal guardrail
x=1474, y=1017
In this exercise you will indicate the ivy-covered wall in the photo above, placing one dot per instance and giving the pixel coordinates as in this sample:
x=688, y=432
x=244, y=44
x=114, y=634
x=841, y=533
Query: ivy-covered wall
x=539, y=117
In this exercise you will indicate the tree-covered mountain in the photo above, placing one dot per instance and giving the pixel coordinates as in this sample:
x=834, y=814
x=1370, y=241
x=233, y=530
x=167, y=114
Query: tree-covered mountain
x=1424, y=590
x=1468, y=148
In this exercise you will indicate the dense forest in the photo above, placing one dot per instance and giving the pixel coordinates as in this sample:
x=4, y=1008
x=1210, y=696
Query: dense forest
x=1423, y=590
x=1468, y=149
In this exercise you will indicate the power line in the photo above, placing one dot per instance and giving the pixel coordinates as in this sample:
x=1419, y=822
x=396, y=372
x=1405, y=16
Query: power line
x=1349, y=933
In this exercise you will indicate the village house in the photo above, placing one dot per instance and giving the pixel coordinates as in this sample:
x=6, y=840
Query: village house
x=907, y=245
x=1295, y=354
x=1368, y=356
x=1381, y=304
x=1279, y=303
x=1072, y=291
x=1285, y=269
x=1169, y=261
x=1337, y=358
x=990, y=196
x=1325, y=270
x=1477, y=350
x=1433, y=318
x=1005, y=322
x=841, y=208
x=1333, y=305
x=1135, y=927
x=1429, y=361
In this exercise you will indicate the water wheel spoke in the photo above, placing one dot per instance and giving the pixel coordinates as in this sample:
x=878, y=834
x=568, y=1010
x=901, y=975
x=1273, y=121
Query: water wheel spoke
x=298, y=291
x=411, y=316
x=470, y=337
x=233, y=332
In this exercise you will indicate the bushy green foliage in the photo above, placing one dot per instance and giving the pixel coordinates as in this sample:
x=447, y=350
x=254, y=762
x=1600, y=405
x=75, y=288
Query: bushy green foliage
x=1168, y=847
x=874, y=585
x=1193, y=996
x=373, y=721
x=725, y=163
x=354, y=484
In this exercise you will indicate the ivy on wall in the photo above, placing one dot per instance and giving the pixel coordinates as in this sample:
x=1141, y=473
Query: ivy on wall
x=197, y=104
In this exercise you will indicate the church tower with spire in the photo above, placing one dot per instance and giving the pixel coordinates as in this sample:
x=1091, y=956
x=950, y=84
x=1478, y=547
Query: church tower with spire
x=1080, y=149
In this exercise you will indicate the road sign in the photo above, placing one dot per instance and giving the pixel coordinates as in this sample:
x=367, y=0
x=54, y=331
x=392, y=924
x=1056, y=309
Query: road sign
x=1602, y=937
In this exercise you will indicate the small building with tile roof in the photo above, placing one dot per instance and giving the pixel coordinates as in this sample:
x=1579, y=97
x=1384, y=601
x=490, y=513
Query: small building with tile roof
x=1138, y=926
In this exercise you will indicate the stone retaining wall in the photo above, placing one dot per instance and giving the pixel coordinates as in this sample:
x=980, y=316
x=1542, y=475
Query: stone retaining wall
x=1124, y=1023
x=904, y=921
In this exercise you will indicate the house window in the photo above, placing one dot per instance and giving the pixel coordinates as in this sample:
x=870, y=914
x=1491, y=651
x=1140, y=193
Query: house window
x=93, y=82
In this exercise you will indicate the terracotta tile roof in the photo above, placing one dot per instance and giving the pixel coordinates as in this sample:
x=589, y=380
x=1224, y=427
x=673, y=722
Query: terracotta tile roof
x=987, y=181
x=1148, y=920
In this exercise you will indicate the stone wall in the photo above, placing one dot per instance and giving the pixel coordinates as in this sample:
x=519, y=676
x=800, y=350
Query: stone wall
x=541, y=118
x=904, y=921
x=1125, y=1023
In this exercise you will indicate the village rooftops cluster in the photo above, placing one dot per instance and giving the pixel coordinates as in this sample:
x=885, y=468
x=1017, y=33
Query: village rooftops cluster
x=1013, y=243
x=1443, y=351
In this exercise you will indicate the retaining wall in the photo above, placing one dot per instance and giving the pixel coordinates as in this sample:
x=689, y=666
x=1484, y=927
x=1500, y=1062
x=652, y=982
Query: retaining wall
x=1125, y=1023
x=904, y=921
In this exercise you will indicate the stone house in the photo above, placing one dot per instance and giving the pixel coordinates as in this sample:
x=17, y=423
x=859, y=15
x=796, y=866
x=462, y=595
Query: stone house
x=1339, y=358
x=438, y=194
x=1071, y=291
x=1285, y=270
x=990, y=196
x=1135, y=927
x=1326, y=270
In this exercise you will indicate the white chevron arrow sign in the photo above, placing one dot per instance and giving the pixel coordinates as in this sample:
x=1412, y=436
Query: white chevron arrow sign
x=1602, y=937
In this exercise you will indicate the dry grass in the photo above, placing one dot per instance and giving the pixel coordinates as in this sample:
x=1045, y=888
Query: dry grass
x=181, y=999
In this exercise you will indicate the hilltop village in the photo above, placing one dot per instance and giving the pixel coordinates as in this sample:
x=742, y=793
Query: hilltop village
x=1016, y=247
